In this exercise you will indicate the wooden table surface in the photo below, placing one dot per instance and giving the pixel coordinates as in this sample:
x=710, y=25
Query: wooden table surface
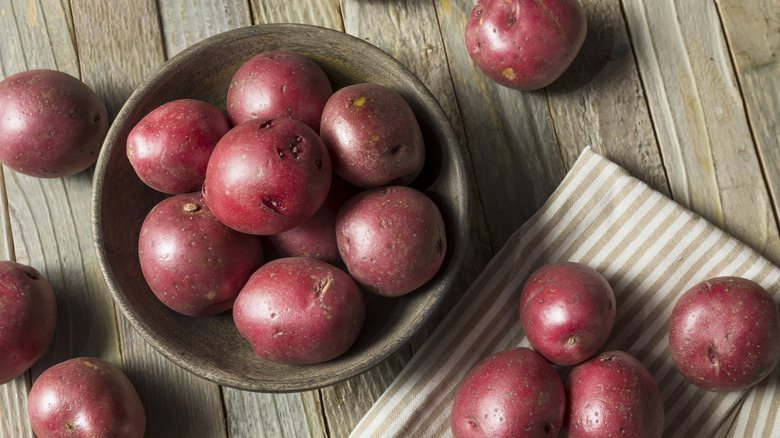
x=685, y=94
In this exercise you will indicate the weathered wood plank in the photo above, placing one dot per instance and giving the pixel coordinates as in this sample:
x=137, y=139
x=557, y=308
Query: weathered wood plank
x=47, y=220
x=13, y=399
x=185, y=23
x=699, y=118
x=753, y=32
x=346, y=403
x=599, y=100
x=325, y=13
x=178, y=403
x=37, y=34
x=294, y=415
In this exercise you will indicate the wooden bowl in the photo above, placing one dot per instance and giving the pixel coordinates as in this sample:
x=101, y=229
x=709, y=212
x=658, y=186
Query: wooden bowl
x=212, y=347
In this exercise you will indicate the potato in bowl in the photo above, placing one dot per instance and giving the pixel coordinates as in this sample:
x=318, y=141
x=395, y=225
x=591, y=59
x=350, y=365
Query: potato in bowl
x=212, y=347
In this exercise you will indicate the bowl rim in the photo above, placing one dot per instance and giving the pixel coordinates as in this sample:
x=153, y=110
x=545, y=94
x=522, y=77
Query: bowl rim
x=461, y=233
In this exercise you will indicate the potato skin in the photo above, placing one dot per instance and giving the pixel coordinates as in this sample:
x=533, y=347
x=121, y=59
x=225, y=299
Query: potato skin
x=85, y=397
x=28, y=318
x=724, y=334
x=170, y=147
x=373, y=136
x=392, y=239
x=267, y=176
x=317, y=236
x=52, y=124
x=567, y=310
x=514, y=392
x=525, y=44
x=612, y=394
x=192, y=262
x=278, y=84
x=300, y=310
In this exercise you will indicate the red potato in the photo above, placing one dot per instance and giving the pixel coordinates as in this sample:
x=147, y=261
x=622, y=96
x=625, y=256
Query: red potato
x=317, y=236
x=51, y=124
x=612, y=394
x=373, y=136
x=300, y=310
x=192, y=262
x=567, y=311
x=267, y=176
x=514, y=392
x=85, y=397
x=28, y=318
x=278, y=84
x=525, y=44
x=392, y=239
x=724, y=334
x=170, y=147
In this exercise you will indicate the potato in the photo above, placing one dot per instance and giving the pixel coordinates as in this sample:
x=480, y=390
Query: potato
x=52, y=124
x=317, y=236
x=391, y=239
x=267, y=176
x=28, y=318
x=373, y=136
x=170, y=147
x=567, y=311
x=612, y=394
x=192, y=262
x=514, y=392
x=85, y=397
x=525, y=44
x=299, y=310
x=278, y=84
x=724, y=334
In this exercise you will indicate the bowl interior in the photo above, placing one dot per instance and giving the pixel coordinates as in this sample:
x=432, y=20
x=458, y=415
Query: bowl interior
x=212, y=347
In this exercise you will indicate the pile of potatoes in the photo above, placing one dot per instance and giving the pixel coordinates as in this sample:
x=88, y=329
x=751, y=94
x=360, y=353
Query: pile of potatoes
x=286, y=208
x=286, y=211
x=290, y=206
x=724, y=335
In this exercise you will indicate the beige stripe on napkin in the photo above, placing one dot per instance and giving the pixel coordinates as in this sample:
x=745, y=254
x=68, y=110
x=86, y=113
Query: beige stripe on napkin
x=649, y=248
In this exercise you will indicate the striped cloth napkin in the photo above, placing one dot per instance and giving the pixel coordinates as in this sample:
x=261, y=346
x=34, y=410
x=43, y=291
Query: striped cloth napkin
x=649, y=248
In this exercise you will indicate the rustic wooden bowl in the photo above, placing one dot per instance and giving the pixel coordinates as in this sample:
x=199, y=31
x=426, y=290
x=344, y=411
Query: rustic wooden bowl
x=212, y=347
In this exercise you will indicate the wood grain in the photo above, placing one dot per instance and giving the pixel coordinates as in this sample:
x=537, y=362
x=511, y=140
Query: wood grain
x=294, y=415
x=49, y=218
x=599, y=100
x=185, y=23
x=753, y=32
x=325, y=13
x=37, y=34
x=13, y=399
x=346, y=403
x=700, y=119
